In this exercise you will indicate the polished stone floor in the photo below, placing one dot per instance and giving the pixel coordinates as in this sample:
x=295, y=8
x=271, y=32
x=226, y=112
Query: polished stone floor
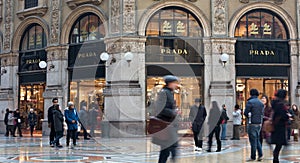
x=129, y=150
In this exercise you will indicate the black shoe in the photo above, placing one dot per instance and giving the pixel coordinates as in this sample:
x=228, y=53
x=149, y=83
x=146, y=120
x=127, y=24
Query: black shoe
x=208, y=150
x=59, y=146
x=219, y=150
x=67, y=145
x=14, y=136
x=86, y=138
x=21, y=135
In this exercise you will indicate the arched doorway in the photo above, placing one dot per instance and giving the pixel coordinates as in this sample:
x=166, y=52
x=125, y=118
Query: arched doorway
x=262, y=54
x=174, y=46
x=86, y=70
x=32, y=79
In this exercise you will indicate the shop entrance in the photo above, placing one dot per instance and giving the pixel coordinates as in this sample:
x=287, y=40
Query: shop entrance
x=31, y=96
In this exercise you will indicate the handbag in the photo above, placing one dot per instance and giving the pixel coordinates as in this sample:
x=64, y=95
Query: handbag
x=268, y=126
x=156, y=125
x=78, y=127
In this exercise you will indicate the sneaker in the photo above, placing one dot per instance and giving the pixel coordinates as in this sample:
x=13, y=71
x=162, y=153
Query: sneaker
x=51, y=145
x=260, y=158
x=198, y=149
x=250, y=160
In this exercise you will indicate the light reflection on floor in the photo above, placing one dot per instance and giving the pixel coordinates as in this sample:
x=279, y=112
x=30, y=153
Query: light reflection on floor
x=130, y=150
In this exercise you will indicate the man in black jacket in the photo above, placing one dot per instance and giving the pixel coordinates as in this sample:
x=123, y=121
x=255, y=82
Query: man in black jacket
x=50, y=122
x=6, y=121
x=197, y=117
x=254, y=112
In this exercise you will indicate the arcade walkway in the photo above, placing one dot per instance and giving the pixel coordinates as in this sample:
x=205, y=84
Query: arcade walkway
x=129, y=150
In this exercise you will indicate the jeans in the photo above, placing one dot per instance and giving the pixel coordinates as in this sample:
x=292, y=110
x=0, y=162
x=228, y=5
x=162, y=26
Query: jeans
x=58, y=135
x=215, y=131
x=224, y=128
x=254, y=136
x=165, y=153
x=52, y=135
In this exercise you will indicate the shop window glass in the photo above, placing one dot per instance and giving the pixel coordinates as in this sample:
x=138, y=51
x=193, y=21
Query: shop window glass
x=87, y=28
x=173, y=35
x=33, y=38
x=31, y=3
x=261, y=24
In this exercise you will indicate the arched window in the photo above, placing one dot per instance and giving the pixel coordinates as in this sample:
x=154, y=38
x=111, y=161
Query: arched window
x=33, y=38
x=32, y=48
x=261, y=24
x=87, y=27
x=174, y=34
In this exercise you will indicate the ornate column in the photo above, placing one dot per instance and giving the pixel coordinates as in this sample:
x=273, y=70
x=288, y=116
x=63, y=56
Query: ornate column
x=57, y=77
x=222, y=83
x=297, y=99
x=294, y=72
x=125, y=91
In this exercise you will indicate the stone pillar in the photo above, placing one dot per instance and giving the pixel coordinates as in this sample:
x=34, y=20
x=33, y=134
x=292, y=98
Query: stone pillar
x=57, y=80
x=297, y=99
x=9, y=85
x=294, y=72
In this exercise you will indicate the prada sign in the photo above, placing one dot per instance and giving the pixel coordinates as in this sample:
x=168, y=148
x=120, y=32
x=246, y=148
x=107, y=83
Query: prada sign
x=262, y=52
x=173, y=51
x=29, y=61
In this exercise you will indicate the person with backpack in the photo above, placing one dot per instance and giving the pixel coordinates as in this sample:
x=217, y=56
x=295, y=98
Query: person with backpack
x=197, y=117
x=32, y=120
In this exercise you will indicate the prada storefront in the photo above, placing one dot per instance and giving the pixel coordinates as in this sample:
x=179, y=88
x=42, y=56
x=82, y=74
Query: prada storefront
x=262, y=54
x=86, y=70
x=174, y=46
x=32, y=78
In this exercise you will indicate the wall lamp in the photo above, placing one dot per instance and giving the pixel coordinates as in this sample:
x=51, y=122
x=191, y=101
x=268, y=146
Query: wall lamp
x=224, y=58
x=128, y=56
x=4, y=71
x=43, y=64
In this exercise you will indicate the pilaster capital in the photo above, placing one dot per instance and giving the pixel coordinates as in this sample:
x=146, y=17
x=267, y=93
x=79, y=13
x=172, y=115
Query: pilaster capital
x=135, y=44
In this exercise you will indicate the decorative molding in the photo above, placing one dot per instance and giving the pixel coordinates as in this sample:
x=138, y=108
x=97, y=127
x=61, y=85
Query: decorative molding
x=1, y=10
x=123, y=44
x=55, y=22
x=75, y=3
x=115, y=11
x=129, y=25
x=293, y=48
x=35, y=11
x=219, y=17
x=6, y=94
x=279, y=2
x=8, y=24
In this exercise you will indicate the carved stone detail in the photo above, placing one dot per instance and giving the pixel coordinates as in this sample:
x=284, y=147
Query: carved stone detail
x=39, y=11
x=55, y=20
x=75, y=3
x=1, y=10
x=219, y=17
x=293, y=47
x=121, y=45
x=129, y=16
x=8, y=24
x=115, y=16
x=279, y=2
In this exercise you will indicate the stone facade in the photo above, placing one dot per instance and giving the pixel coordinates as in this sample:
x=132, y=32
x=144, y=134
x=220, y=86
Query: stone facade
x=125, y=23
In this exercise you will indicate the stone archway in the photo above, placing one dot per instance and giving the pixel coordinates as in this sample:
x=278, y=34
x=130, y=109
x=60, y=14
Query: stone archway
x=75, y=15
x=268, y=6
x=183, y=4
x=22, y=27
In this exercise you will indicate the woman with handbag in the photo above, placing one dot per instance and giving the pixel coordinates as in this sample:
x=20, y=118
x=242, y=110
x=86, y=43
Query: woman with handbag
x=295, y=122
x=264, y=134
x=165, y=107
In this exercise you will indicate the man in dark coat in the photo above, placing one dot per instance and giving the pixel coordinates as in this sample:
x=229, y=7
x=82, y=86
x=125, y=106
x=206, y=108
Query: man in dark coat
x=6, y=122
x=50, y=122
x=165, y=106
x=254, y=112
x=32, y=119
x=197, y=117
x=58, y=125
x=280, y=119
x=18, y=122
x=214, y=121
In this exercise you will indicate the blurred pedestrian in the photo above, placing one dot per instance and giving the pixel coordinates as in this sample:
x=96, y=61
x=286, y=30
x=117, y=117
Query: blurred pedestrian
x=6, y=122
x=197, y=117
x=84, y=117
x=254, y=113
x=93, y=114
x=72, y=122
x=267, y=116
x=280, y=119
x=32, y=121
x=237, y=121
x=11, y=122
x=18, y=122
x=166, y=111
x=58, y=120
x=289, y=129
x=214, y=121
x=295, y=122
x=50, y=122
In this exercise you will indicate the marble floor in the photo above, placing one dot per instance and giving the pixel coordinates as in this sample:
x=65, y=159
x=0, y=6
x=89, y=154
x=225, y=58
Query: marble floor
x=129, y=150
